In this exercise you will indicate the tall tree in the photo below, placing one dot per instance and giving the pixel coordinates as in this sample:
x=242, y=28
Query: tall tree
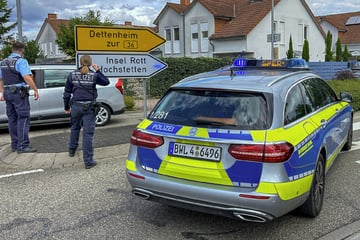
x=346, y=54
x=4, y=20
x=338, y=56
x=328, y=51
x=306, y=51
x=66, y=39
x=290, y=52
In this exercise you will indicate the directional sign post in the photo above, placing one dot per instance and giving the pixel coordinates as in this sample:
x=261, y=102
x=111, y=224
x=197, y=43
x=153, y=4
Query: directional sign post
x=126, y=65
x=115, y=39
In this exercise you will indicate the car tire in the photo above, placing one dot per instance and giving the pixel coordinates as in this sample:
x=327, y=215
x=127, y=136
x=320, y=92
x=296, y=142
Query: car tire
x=314, y=202
x=348, y=143
x=103, y=116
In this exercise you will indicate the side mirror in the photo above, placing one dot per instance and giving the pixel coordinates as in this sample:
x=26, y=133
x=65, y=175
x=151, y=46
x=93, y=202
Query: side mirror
x=346, y=97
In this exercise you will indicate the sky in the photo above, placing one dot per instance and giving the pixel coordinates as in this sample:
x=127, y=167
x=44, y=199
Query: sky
x=139, y=12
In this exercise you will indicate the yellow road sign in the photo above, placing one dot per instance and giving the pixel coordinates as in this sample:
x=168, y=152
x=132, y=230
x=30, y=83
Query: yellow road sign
x=115, y=39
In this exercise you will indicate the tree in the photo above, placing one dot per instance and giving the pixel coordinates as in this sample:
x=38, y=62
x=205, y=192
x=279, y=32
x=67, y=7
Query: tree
x=346, y=54
x=66, y=39
x=328, y=52
x=305, y=51
x=290, y=52
x=338, y=56
x=4, y=19
x=32, y=51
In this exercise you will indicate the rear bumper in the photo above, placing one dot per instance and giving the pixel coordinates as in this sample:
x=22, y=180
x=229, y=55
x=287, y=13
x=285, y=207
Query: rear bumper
x=209, y=198
x=119, y=111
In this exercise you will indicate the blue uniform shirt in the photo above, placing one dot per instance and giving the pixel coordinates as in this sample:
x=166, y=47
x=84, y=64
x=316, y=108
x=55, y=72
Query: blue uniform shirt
x=22, y=65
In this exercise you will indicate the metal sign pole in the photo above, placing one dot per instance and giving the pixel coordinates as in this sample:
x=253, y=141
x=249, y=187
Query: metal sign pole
x=144, y=97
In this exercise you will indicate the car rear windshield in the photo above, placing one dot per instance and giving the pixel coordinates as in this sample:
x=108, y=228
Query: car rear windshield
x=212, y=108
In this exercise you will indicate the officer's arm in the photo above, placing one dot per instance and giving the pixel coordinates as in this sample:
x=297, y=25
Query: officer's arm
x=101, y=79
x=30, y=81
x=1, y=90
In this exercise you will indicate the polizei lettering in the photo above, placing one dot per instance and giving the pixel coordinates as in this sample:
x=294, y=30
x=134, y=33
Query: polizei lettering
x=162, y=127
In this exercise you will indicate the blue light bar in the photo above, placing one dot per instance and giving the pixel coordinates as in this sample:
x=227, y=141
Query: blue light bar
x=294, y=63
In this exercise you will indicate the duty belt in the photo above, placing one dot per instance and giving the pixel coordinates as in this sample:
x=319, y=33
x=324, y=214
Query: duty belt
x=16, y=85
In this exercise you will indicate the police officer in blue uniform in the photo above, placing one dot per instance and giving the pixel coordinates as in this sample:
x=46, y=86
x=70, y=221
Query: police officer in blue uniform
x=81, y=89
x=15, y=82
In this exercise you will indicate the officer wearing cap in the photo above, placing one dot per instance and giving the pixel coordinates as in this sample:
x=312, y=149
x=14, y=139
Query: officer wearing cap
x=81, y=89
x=15, y=82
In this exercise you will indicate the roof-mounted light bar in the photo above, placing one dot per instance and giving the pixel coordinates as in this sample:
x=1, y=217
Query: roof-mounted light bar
x=294, y=63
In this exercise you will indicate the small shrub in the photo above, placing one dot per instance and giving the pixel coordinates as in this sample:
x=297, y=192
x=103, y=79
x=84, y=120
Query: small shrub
x=344, y=74
x=129, y=103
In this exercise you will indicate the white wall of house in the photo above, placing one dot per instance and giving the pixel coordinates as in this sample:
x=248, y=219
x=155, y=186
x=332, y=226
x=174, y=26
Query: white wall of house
x=292, y=19
x=174, y=45
x=47, y=43
x=199, y=25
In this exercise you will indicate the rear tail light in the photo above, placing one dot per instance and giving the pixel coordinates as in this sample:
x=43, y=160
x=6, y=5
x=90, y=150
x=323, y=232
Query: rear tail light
x=143, y=139
x=271, y=153
x=119, y=86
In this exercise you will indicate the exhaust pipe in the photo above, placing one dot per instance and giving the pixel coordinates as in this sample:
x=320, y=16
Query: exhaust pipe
x=249, y=217
x=141, y=195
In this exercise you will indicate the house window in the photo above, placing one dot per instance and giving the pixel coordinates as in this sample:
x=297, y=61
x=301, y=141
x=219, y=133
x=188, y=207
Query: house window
x=176, y=43
x=204, y=44
x=282, y=32
x=172, y=37
x=199, y=37
x=194, y=38
x=167, y=35
x=306, y=32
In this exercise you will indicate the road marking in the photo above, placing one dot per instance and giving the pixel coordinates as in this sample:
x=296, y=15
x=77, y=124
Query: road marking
x=356, y=126
x=21, y=173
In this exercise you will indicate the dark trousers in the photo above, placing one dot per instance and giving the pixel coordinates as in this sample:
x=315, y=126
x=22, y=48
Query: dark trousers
x=86, y=120
x=18, y=113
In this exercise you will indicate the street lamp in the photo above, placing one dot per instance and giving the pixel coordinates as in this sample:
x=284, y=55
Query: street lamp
x=19, y=20
x=272, y=29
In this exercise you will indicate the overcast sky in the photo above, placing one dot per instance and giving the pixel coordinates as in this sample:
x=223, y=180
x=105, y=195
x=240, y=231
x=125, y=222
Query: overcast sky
x=139, y=12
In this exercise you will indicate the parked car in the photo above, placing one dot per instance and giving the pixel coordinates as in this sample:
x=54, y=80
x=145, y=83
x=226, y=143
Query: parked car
x=252, y=142
x=49, y=108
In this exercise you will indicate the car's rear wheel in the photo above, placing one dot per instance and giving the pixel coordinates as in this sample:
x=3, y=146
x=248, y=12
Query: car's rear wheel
x=314, y=202
x=103, y=116
x=348, y=143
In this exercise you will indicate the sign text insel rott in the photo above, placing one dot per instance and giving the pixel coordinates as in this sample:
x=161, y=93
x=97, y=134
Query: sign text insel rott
x=115, y=39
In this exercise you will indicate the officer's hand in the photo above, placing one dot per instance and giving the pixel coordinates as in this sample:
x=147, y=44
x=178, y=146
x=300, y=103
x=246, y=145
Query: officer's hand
x=67, y=111
x=2, y=98
x=36, y=95
x=95, y=66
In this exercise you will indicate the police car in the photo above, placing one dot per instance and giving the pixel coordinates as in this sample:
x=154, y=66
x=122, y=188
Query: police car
x=252, y=141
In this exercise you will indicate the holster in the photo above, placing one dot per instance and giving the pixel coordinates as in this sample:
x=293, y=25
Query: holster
x=24, y=92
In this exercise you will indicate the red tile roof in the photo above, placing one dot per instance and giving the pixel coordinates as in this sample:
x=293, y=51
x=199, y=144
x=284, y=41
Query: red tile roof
x=348, y=34
x=238, y=17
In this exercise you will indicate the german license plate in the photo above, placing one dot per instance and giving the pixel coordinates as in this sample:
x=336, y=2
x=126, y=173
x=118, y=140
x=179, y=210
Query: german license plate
x=195, y=151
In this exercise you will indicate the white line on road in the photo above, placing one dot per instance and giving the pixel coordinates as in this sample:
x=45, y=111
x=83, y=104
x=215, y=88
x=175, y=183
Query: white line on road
x=21, y=173
x=356, y=126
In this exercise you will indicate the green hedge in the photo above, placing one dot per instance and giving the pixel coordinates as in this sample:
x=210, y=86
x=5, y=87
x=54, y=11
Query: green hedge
x=179, y=68
x=352, y=86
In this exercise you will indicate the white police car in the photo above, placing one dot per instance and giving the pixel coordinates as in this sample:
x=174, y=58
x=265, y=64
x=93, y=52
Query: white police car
x=253, y=141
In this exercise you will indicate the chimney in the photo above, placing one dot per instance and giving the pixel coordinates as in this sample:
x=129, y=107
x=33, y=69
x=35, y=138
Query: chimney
x=185, y=2
x=52, y=16
x=127, y=23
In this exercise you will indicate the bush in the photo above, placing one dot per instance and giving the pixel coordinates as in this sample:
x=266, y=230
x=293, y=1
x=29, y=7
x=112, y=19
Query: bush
x=129, y=103
x=350, y=85
x=344, y=74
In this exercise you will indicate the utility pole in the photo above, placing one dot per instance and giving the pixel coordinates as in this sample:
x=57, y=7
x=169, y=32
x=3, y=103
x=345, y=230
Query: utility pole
x=272, y=29
x=19, y=20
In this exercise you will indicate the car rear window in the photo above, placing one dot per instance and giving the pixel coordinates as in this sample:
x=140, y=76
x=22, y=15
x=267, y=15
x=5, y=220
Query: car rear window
x=212, y=108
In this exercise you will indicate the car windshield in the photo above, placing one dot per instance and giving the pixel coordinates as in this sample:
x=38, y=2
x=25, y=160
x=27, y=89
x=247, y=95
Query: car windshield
x=212, y=108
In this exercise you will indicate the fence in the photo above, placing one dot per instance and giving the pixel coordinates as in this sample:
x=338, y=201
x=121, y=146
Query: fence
x=327, y=70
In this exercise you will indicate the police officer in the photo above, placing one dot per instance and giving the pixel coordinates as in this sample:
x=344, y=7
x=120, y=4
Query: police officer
x=15, y=81
x=81, y=89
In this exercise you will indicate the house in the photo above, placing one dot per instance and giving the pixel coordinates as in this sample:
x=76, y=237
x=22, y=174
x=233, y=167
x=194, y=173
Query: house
x=346, y=27
x=47, y=35
x=207, y=28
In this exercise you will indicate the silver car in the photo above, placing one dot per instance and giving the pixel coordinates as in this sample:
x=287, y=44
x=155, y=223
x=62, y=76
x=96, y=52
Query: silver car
x=252, y=141
x=49, y=108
